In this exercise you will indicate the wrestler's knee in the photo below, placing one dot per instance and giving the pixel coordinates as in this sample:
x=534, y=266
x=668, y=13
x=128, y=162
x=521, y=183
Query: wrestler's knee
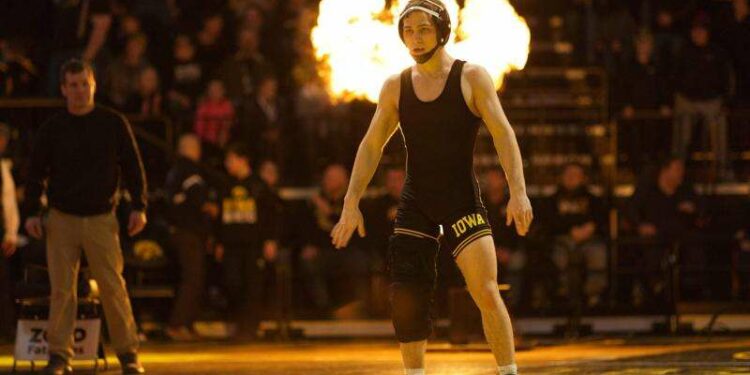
x=486, y=296
x=413, y=279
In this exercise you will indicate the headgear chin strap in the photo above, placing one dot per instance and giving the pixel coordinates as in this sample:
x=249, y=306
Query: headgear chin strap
x=425, y=57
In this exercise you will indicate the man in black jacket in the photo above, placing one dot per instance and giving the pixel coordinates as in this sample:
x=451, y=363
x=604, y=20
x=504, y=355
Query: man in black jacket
x=189, y=212
x=82, y=154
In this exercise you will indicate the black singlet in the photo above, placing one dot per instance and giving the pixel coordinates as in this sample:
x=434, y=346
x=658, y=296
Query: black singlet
x=439, y=136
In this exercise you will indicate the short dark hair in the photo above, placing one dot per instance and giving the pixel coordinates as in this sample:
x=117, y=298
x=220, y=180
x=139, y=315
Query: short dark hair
x=238, y=149
x=74, y=66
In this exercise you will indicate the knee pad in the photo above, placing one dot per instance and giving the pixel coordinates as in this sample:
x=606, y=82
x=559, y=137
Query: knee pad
x=410, y=311
x=413, y=273
x=412, y=259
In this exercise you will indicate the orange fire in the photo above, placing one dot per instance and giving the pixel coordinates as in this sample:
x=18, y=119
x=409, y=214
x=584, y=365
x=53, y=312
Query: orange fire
x=357, y=45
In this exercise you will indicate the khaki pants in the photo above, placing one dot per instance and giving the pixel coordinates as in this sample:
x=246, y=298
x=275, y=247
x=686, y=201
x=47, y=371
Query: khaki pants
x=98, y=237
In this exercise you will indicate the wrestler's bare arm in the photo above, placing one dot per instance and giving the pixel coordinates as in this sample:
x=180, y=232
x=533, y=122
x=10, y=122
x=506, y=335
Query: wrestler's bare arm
x=384, y=123
x=488, y=105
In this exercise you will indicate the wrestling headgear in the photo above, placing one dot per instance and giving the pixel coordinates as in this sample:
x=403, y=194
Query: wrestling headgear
x=439, y=14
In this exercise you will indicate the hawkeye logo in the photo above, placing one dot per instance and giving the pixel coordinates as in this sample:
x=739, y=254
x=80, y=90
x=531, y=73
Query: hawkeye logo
x=467, y=222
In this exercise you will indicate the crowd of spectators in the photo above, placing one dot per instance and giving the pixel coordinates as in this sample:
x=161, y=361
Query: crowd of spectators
x=244, y=70
x=228, y=71
x=237, y=79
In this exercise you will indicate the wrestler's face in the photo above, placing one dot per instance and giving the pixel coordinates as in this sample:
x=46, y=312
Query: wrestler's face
x=420, y=34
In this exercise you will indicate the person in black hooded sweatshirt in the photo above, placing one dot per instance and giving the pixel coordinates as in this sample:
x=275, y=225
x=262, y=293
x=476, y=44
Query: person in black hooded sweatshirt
x=245, y=244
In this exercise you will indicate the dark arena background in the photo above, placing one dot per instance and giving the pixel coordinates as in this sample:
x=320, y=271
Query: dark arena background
x=633, y=119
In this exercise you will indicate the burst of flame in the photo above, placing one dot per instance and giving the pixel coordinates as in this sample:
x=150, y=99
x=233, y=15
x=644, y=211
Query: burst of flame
x=357, y=45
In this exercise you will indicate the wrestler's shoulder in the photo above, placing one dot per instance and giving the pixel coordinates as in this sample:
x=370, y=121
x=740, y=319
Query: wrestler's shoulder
x=474, y=71
x=391, y=89
x=392, y=83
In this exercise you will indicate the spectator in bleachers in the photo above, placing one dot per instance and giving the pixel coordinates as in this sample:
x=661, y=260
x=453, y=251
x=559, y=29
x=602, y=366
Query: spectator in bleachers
x=123, y=74
x=380, y=215
x=157, y=21
x=211, y=42
x=79, y=30
x=737, y=40
x=738, y=35
x=238, y=7
x=214, y=119
x=578, y=224
x=148, y=100
x=3, y=67
x=18, y=73
x=189, y=15
x=245, y=243
x=332, y=278
x=268, y=171
x=615, y=32
x=643, y=85
x=272, y=34
x=511, y=255
x=189, y=217
x=126, y=26
x=242, y=71
x=663, y=211
x=253, y=17
x=292, y=19
x=8, y=234
x=668, y=39
x=269, y=174
x=702, y=82
x=266, y=121
x=186, y=80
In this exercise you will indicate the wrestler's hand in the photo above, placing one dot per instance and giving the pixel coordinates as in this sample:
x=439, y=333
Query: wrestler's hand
x=351, y=219
x=519, y=211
